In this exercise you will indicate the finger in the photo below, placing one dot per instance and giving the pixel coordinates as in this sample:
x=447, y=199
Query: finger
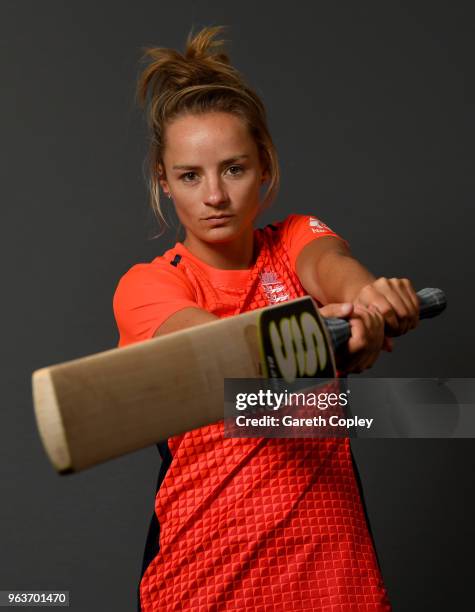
x=411, y=293
x=341, y=311
x=385, y=308
x=394, y=291
x=357, y=341
x=377, y=320
x=366, y=331
x=367, y=334
x=402, y=304
x=373, y=337
x=413, y=300
x=374, y=325
x=349, y=357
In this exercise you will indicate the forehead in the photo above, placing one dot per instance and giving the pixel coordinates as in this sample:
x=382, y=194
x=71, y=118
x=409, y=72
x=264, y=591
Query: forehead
x=206, y=134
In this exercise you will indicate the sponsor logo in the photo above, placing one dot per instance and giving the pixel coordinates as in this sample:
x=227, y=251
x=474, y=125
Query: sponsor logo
x=317, y=226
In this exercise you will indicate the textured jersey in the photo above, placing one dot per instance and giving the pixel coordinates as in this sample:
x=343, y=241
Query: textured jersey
x=249, y=524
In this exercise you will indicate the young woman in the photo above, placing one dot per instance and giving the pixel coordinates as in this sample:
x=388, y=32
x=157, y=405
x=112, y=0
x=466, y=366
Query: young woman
x=252, y=524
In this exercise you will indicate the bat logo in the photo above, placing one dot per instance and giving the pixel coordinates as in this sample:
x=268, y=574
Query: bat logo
x=299, y=347
x=293, y=343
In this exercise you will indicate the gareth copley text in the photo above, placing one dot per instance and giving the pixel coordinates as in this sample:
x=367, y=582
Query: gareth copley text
x=314, y=422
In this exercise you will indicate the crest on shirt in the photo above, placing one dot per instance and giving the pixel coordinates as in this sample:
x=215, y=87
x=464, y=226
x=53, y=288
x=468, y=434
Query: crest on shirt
x=273, y=287
x=317, y=226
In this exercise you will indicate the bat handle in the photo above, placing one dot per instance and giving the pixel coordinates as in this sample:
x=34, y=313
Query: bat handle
x=431, y=303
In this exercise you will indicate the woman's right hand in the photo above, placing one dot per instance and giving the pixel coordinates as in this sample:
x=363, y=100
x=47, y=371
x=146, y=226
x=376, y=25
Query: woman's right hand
x=367, y=335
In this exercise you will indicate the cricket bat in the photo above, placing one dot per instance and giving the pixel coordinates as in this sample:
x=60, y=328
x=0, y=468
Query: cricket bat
x=95, y=408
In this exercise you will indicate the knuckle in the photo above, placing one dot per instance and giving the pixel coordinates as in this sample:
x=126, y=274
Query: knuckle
x=358, y=344
x=386, y=309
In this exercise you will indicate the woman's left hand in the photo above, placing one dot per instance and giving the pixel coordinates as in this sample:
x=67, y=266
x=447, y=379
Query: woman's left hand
x=367, y=335
x=396, y=300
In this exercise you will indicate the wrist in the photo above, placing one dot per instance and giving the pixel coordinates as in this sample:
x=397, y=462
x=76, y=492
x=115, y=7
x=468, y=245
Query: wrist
x=354, y=290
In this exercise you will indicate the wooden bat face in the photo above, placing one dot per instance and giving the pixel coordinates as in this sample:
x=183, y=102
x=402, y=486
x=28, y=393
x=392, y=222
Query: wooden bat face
x=102, y=406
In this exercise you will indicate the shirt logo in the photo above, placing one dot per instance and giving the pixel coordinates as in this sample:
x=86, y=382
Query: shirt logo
x=273, y=287
x=317, y=226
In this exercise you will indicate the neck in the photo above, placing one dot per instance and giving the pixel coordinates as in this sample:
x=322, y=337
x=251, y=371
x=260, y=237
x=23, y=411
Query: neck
x=236, y=255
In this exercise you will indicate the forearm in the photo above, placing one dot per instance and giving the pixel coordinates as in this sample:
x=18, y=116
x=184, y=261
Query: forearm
x=339, y=278
x=330, y=274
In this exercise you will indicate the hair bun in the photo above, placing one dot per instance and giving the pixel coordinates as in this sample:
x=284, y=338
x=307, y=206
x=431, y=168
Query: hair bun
x=202, y=46
x=204, y=62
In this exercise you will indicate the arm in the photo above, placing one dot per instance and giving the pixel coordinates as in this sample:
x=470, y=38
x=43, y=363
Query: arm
x=187, y=317
x=329, y=272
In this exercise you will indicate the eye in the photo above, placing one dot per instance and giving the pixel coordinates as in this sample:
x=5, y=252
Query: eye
x=235, y=170
x=188, y=177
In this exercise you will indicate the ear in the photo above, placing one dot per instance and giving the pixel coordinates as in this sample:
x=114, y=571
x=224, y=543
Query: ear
x=265, y=176
x=162, y=179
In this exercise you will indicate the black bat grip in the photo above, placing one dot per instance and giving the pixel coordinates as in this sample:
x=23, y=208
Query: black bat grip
x=431, y=303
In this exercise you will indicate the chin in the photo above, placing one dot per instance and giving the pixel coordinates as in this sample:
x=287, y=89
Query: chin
x=220, y=235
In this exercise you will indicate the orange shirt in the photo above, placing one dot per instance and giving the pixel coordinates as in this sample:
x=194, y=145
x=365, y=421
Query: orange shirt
x=151, y=292
x=249, y=524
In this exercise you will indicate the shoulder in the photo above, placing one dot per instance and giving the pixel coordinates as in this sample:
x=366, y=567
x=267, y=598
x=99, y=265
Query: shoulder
x=147, y=295
x=294, y=223
x=162, y=273
x=295, y=231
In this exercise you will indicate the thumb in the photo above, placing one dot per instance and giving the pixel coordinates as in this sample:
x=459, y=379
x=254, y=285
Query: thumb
x=341, y=311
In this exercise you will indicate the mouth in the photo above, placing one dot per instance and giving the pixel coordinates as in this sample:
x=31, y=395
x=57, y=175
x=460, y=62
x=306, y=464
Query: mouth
x=217, y=217
x=217, y=220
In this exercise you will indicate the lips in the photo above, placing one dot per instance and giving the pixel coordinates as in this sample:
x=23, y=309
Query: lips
x=217, y=220
x=217, y=217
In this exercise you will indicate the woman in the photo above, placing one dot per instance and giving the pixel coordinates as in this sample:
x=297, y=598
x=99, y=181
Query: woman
x=254, y=524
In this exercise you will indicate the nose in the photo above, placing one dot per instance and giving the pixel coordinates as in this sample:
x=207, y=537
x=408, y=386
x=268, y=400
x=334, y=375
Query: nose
x=215, y=195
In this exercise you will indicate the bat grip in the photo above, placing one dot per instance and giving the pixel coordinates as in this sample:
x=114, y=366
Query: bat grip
x=431, y=303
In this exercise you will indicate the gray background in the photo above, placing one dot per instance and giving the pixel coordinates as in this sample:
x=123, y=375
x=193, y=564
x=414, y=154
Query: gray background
x=371, y=107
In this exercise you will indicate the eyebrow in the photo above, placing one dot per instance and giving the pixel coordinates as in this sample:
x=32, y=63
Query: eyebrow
x=223, y=163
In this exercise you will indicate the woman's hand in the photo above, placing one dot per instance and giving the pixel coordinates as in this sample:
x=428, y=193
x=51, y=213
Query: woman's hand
x=367, y=335
x=396, y=300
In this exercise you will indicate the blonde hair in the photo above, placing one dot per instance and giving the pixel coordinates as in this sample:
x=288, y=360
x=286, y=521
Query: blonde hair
x=199, y=81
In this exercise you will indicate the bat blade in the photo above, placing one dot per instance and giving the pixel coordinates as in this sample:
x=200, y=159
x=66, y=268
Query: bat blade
x=102, y=406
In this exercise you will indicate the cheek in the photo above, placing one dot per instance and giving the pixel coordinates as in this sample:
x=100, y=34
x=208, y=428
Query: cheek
x=184, y=206
x=253, y=192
